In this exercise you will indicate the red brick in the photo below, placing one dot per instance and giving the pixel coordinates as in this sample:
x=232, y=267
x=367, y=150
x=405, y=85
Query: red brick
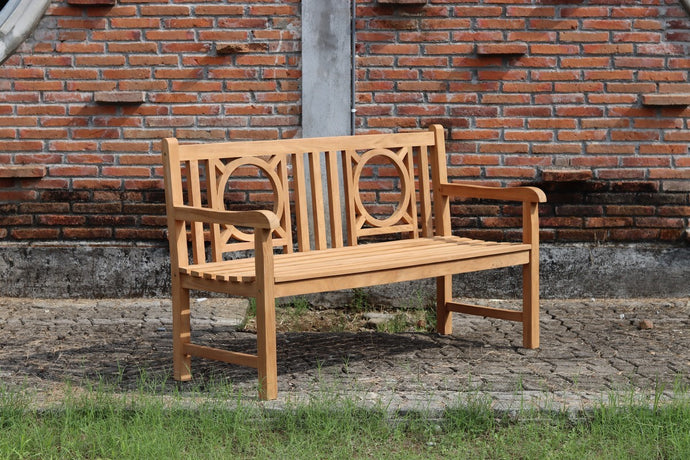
x=539, y=136
x=608, y=48
x=526, y=111
x=566, y=175
x=496, y=171
x=634, y=135
x=21, y=146
x=582, y=135
x=585, y=62
x=501, y=48
x=635, y=234
x=504, y=148
x=450, y=23
x=605, y=123
x=620, y=173
x=609, y=74
x=668, y=149
x=560, y=148
x=35, y=233
x=551, y=123
x=610, y=149
x=449, y=49
x=475, y=11
x=474, y=134
x=505, y=99
x=583, y=37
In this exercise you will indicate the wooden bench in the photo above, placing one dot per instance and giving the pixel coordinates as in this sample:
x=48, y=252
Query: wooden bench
x=335, y=256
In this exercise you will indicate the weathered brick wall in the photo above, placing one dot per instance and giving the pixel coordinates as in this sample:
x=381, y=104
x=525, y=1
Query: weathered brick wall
x=548, y=93
x=558, y=94
x=71, y=100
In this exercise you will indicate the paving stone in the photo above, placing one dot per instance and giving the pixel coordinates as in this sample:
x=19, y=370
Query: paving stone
x=587, y=351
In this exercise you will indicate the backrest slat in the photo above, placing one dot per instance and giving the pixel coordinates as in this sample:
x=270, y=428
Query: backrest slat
x=300, y=198
x=194, y=190
x=212, y=167
x=425, y=195
x=412, y=206
x=334, y=209
x=317, y=204
x=439, y=175
x=286, y=222
x=349, y=186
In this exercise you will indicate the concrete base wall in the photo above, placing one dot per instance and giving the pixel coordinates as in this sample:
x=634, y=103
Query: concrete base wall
x=89, y=270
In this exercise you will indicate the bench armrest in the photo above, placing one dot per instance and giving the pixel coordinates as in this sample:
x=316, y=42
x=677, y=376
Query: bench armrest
x=524, y=194
x=256, y=219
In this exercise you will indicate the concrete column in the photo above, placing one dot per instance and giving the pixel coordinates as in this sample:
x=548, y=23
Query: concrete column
x=17, y=20
x=326, y=68
x=326, y=72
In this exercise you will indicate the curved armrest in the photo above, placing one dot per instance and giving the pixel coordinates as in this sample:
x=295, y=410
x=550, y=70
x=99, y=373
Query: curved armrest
x=256, y=219
x=524, y=194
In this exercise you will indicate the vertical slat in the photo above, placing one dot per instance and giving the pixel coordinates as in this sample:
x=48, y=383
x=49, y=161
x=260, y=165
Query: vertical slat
x=194, y=190
x=334, y=210
x=285, y=191
x=301, y=214
x=215, y=201
x=530, y=277
x=349, y=185
x=412, y=207
x=425, y=194
x=439, y=175
x=317, y=205
x=265, y=315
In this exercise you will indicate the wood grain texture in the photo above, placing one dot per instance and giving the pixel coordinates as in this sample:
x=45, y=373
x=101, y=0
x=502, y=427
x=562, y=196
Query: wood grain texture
x=425, y=246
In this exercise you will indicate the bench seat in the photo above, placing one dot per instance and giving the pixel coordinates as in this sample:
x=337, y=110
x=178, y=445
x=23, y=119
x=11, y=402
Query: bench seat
x=366, y=258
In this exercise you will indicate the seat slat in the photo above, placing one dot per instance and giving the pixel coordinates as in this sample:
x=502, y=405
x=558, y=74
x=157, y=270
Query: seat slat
x=361, y=259
x=372, y=263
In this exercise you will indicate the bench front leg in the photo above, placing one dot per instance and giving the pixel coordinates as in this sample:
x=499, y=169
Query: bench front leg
x=265, y=315
x=444, y=317
x=530, y=277
x=182, y=361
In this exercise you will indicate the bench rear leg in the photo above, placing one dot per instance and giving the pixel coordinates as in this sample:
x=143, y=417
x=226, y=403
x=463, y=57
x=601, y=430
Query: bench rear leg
x=530, y=304
x=444, y=317
x=182, y=361
x=266, y=345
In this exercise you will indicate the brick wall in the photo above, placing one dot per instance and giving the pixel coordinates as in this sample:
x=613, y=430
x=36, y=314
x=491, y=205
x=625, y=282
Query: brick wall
x=71, y=100
x=562, y=95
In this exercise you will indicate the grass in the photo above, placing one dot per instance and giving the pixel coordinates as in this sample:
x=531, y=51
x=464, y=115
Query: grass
x=298, y=315
x=218, y=423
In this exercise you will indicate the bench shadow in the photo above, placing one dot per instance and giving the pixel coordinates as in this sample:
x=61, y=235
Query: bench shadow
x=128, y=363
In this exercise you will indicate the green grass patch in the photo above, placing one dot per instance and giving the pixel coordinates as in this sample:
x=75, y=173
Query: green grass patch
x=99, y=423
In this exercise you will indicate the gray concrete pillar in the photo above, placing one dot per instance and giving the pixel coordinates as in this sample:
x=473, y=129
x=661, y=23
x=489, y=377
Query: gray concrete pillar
x=326, y=72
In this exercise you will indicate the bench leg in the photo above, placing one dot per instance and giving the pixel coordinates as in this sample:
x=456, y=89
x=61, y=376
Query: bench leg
x=444, y=317
x=530, y=304
x=182, y=361
x=266, y=344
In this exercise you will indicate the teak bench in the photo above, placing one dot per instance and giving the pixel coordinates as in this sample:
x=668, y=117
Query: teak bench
x=196, y=178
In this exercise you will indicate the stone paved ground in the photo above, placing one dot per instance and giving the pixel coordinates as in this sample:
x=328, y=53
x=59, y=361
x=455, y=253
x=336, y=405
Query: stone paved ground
x=590, y=350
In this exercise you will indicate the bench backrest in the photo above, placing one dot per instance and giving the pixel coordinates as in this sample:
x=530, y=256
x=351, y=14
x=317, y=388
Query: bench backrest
x=198, y=175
